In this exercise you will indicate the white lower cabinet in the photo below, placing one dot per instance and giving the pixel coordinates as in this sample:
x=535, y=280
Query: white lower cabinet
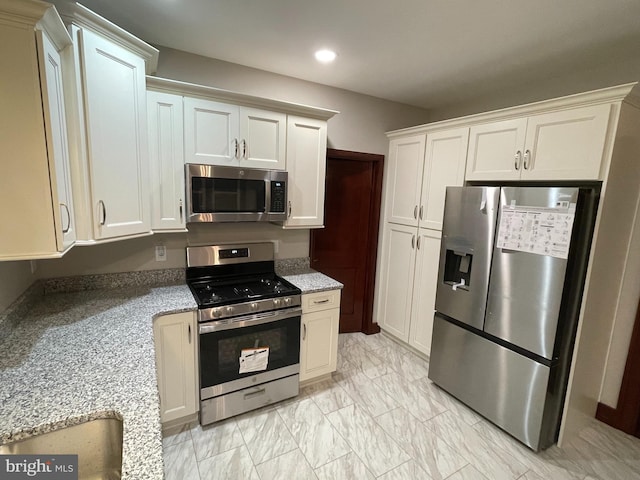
x=175, y=341
x=424, y=289
x=319, y=334
x=408, y=284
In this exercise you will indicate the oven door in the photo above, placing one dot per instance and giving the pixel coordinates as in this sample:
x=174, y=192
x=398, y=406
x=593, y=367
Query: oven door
x=228, y=349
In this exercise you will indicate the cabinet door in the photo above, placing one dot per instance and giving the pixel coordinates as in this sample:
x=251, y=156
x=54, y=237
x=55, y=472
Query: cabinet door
x=307, y=165
x=57, y=141
x=211, y=132
x=496, y=150
x=444, y=166
x=397, y=279
x=263, y=137
x=566, y=145
x=174, y=337
x=319, y=343
x=166, y=156
x=404, y=179
x=115, y=104
x=424, y=290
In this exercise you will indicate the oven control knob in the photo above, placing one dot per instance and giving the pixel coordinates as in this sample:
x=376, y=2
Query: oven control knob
x=287, y=301
x=254, y=306
x=276, y=302
x=216, y=313
x=229, y=310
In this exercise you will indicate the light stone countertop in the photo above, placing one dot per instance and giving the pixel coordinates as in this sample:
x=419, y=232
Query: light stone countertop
x=86, y=355
x=89, y=354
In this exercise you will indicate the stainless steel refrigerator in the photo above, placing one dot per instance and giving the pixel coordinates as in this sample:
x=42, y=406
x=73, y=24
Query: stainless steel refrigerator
x=510, y=281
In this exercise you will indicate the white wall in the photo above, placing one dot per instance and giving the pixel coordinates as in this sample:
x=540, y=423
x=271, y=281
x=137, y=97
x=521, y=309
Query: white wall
x=15, y=278
x=360, y=126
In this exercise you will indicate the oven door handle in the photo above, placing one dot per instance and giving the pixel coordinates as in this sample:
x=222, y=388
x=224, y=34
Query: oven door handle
x=249, y=320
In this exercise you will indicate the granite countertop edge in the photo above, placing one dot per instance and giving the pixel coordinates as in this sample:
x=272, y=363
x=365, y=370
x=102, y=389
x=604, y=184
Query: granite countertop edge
x=51, y=331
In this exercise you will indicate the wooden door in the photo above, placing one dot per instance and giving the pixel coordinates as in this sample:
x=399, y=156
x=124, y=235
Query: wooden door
x=346, y=248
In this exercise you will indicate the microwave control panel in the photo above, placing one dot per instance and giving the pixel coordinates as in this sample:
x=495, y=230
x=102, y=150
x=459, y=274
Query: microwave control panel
x=278, y=196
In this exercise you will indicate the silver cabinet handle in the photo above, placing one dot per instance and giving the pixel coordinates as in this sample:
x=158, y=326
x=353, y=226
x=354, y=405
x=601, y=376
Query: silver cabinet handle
x=254, y=394
x=65, y=230
x=180, y=208
x=527, y=158
x=244, y=148
x=413, y=241
x=304, y=331
x=418, y=242
x=104, y=212
x=235, y=147
x=289, y=212
x=421, y=209
x=189, y=332
x=518, y=157
x=318, y=302
x=415, y=211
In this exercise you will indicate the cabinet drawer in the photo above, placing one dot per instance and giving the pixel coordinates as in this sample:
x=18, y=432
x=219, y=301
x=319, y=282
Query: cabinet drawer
x=314, y=302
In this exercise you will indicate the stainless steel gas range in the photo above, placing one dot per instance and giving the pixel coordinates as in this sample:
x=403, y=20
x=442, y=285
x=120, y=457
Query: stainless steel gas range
x=249, y=329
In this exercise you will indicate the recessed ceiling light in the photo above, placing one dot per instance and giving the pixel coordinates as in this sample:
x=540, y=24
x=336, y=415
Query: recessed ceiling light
x=325, y=56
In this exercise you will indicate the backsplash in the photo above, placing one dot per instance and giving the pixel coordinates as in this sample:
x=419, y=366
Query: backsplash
x=170, y=276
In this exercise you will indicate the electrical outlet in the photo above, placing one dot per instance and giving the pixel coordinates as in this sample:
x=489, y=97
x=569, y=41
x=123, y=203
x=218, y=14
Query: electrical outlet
x=161, y=253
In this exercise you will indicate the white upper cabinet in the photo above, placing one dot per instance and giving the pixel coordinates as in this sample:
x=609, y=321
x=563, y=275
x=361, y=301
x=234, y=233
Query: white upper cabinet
x=211, y=132
x=404, y=179
x=495, y=150
x=445, y=158
x=561, y=145
x=419, y=170
x=263, y=138
x=224, y=134
x=57, y=139
x=566, y=145
x=115, y=107
x=36, y=204
x=109, y=129
x=166, y=156
x=306, y=165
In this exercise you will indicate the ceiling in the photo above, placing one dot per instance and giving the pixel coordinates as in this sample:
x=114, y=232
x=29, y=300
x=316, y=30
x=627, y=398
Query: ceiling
x=426, y=53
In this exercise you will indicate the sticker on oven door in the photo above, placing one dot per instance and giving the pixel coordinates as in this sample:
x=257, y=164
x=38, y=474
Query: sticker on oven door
x=254, y=359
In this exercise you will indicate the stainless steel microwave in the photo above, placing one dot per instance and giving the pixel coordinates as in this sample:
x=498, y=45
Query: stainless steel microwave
x=235, y=194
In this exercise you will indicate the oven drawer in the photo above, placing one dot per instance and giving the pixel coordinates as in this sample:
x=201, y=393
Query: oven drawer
x=235, y=403
x=314, y=302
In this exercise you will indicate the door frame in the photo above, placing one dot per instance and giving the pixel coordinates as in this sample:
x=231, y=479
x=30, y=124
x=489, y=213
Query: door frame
x=377, y=162
x=626, y=415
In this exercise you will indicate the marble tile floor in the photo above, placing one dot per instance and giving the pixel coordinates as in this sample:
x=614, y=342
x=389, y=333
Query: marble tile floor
x=381, y=417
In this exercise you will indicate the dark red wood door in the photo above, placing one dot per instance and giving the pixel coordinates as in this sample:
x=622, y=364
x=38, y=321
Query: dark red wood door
x=343, y=249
